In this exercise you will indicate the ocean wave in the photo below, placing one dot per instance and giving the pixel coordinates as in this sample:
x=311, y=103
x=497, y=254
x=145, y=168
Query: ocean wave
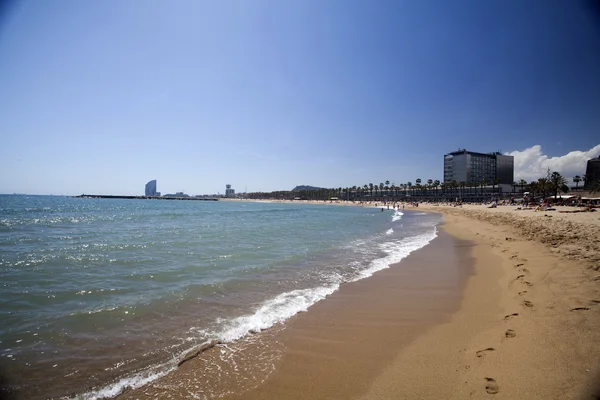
x=397, y=215
x=269, y=313
x=396, y=252
x=135, y=381
x=276, y=310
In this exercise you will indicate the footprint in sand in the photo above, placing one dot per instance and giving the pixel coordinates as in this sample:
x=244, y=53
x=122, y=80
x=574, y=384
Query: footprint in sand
x=509, y=316
x=519, y=277
x=527, y=303
x=519, y=265
x=528, y=283
x=517, y=258
x=510, y=333
x=491, y=386
x=524, y=270
x=481, y=353
x=580, y=309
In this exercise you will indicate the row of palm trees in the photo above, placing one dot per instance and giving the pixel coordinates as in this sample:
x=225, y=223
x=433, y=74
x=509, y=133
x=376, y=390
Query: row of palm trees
x=552, y=184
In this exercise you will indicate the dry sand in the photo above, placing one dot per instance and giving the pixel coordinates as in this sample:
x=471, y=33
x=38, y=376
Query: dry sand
x=529, y=323
x=514, y=314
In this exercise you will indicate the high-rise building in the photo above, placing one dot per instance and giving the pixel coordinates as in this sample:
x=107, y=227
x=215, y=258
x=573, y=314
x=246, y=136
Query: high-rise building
x=151, y=189
x=229, y=192
x=471, y=167
x=592, y=172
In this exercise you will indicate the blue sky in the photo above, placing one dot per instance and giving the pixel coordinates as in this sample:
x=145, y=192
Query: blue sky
x=103, y=96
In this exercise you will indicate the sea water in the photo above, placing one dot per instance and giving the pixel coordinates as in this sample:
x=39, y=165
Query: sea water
x=101, y=294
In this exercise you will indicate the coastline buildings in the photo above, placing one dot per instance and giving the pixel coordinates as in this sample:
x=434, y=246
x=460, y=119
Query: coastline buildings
x=229, y=192
x=177, y=195
x=592, y=172
x=151, y=189
x=472, y=167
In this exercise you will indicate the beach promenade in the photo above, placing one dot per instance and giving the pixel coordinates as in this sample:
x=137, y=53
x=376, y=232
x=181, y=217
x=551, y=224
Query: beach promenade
x=504, y=304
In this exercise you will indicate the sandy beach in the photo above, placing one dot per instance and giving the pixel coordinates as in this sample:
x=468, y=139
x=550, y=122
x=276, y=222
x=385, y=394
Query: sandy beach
x=528, y=324
x=503, y=304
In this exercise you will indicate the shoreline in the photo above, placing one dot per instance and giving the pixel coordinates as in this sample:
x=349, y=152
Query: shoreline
x=337, y=348
x=351, y=326
x=528, y=326
x=525, y=323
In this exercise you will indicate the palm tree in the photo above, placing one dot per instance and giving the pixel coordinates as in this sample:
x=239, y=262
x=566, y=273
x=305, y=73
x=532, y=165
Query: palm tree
x=381, y=186
x=436, y=184
x=462, y=185
x=453, y=186
x=576, y=180
x=543, y=186
x=409, y=184
x=558, y=182
x=371, y=189
x=533, y=188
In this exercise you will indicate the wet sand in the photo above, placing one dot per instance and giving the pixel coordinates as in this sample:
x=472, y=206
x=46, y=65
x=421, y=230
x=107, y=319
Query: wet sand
x=337, y=348
x=501, y=305
x=340, y=345
x=528, y=327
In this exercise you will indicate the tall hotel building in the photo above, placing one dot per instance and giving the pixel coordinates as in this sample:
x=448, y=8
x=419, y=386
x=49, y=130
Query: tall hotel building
x=151, y=189
x=471, y=167
x=592, y=172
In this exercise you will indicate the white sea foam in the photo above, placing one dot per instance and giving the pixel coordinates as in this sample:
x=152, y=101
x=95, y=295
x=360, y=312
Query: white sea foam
x=270, y=313
x=134, y=381
x=396, y=251
x=397, y=215
x=273, y=311
x=288, y=304
x=389, y=231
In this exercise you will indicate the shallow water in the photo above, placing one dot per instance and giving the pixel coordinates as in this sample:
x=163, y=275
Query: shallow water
x=111, y=293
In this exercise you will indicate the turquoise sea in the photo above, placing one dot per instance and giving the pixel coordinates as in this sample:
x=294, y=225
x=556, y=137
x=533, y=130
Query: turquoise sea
x=100, y=294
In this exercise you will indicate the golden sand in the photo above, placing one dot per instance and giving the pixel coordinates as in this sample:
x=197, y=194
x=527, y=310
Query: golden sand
x=511, y=310
x=529, y=323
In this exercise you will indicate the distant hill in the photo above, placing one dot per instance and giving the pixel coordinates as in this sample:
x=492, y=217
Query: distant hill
x=305, y=187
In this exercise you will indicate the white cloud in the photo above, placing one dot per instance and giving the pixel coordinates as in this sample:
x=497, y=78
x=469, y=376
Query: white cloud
x=532, y=163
